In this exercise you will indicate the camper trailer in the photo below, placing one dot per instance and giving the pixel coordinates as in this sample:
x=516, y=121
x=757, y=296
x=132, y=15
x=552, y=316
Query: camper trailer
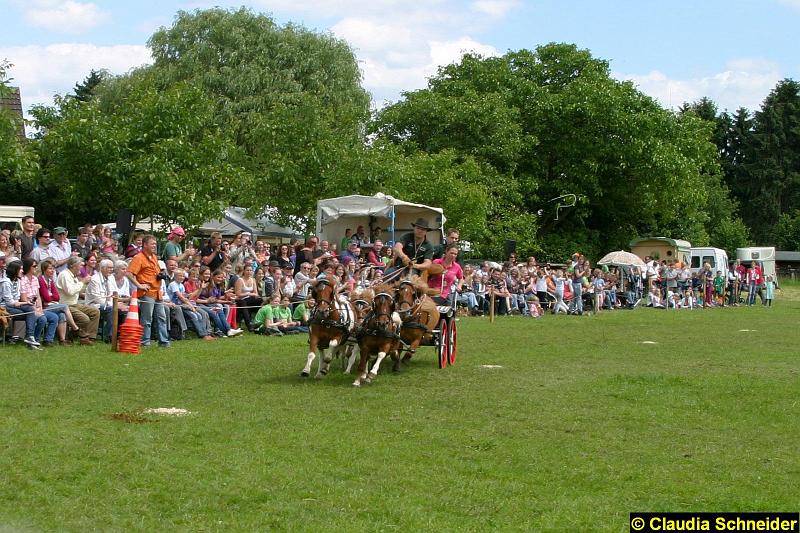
x=763, y=254
x=662, y=248
x=716, y=257
x=11, y=215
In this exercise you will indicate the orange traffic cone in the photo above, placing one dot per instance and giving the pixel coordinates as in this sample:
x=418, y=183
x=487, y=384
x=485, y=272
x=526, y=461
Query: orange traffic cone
x=130, y=333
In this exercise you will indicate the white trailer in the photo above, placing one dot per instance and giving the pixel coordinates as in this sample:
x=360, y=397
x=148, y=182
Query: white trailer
x=763, y=254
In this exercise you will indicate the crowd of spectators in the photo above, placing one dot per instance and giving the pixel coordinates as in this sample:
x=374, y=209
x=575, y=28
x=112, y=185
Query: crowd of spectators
x=62, y=289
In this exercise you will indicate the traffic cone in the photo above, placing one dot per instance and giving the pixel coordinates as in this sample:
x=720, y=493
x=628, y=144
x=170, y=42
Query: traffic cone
x=130, y=333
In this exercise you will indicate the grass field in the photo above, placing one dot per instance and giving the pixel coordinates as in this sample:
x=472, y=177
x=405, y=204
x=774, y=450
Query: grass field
x=582, y=424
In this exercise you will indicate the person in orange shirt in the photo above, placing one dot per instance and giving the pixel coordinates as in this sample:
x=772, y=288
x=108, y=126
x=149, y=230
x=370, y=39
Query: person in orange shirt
x=143, y=273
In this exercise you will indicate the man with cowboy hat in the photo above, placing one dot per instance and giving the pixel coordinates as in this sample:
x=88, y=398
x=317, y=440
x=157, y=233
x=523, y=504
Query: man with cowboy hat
x=414, y=249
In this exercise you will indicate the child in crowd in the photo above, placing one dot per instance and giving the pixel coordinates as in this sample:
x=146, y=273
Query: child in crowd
x=719, y=288
x=769, y=291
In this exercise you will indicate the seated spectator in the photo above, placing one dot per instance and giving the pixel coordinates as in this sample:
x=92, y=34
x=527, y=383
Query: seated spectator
x=301, y=315
x=375, y=256
x=16, y=303
x=5, y=246
x=100, y=295
x=247, y=299
x=70, y=284
x=214, y=299
x=176, y=291
x=29, y=290
x=51, y=302
x=89, y=267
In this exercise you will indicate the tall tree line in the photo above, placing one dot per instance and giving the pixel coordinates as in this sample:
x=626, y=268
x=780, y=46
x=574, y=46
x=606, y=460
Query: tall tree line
x=237, y=110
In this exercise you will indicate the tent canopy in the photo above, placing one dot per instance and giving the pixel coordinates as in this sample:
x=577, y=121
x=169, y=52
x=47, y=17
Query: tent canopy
x=233, y=221
x=394, y=217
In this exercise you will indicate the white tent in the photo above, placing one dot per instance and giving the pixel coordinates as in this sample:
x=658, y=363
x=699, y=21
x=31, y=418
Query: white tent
x=233, y=221
x=393, y=216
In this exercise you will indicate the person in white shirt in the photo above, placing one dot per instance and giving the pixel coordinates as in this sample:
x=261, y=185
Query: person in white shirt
x=100, y=294
x=60, y=249
x=69, y=287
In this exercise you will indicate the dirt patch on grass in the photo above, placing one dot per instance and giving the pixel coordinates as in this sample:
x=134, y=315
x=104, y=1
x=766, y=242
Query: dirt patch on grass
x=131, y=417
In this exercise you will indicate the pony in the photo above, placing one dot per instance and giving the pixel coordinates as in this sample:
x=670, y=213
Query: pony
x=419, y=316
x=332, y=322
x=378, y=333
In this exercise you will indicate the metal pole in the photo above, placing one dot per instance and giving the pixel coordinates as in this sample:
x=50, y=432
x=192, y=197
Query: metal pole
x=114, y=323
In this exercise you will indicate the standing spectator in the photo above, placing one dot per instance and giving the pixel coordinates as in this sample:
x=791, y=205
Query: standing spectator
x=173, y=250
x=42, y=251
x=212, y=255
x=82, y=246
x=143, y=273
x=28, y=236
x=348, y=235
x=374, y=256
x=60, y=249
x=70, y=284
x=134, y=247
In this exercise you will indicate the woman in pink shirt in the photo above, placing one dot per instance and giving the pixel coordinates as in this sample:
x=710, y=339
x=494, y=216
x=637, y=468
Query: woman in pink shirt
x=452, y=272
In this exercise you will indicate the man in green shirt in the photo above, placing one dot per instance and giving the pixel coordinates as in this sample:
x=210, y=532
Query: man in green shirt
x=172, y=250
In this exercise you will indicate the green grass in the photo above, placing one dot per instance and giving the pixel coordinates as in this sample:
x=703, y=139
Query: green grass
x=581, y=425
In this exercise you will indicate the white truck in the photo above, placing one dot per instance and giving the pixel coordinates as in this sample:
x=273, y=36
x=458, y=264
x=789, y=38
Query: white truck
x=716, y=257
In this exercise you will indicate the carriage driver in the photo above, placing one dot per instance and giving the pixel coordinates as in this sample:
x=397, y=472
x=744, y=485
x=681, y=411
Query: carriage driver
x=414, y=249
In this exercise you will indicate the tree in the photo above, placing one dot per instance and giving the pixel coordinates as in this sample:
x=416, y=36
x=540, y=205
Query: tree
x=155, y=151
x=291, y=98
x=772, y=176
x=550, y=122
x=85, y=90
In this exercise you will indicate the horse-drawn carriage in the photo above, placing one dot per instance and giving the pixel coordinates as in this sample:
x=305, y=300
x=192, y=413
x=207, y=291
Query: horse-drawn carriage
x=393, y=318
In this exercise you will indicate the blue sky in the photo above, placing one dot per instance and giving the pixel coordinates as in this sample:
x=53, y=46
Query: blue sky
x=732, y=51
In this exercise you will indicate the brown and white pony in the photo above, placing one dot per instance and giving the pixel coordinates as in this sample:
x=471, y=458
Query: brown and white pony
x=378, y=334
x=332, y=322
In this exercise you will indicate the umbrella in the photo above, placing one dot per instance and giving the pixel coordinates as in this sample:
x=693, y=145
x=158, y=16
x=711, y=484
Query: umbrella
x=621, y=258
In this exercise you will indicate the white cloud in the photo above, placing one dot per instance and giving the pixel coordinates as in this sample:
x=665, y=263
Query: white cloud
x=745, y=82
x=494, y=8
x=43, y=71
x=791, y=3
x=67, y=16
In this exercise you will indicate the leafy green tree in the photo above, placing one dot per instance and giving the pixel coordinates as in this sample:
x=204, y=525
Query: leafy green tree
x=291, y=98
x=156, y=151
x=551, y=122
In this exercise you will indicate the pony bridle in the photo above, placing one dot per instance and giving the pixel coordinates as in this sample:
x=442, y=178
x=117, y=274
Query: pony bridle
x=411, y=305
x=386, y=324
x=324, y=313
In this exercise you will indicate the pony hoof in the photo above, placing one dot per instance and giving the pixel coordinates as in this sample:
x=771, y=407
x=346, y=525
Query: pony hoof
x=356, y=384
x=303, y=374
x=371, y=376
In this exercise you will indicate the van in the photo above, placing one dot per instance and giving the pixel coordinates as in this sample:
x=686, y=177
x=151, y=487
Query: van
x=763, y=254
x=716, y=257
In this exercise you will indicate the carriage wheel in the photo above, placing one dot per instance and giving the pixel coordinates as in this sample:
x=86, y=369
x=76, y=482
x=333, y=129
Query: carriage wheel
x=444, y=343
x=453, y=343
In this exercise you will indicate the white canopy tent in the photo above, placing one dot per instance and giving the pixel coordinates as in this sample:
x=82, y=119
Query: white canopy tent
x=233, y=221
x=393, y=216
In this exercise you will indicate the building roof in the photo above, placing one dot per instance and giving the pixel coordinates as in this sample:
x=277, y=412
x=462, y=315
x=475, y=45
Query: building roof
x=13, y=103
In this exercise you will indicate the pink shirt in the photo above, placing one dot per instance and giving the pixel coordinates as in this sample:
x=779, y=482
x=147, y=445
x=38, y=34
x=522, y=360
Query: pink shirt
x=450, y=275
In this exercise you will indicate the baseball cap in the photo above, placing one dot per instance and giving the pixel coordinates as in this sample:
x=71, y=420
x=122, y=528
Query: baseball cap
x=59, y=230
x=177, y=230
